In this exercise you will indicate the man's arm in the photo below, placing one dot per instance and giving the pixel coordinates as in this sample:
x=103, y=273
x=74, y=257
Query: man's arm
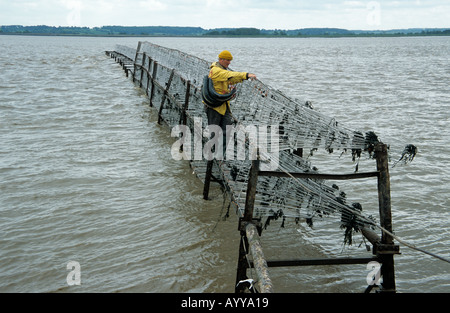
x=219, y=74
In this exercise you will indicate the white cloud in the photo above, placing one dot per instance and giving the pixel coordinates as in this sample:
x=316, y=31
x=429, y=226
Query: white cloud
x=269, y=14
x=153, y=5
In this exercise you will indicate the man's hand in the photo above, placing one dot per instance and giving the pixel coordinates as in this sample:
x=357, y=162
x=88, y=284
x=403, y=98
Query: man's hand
x=251, y=76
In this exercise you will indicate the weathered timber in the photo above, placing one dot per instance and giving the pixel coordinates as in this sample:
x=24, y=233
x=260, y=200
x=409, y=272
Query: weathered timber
x=250, y=238
x=320, y=176
x=242, y=265
x=148, y=74
x=142, y=67
x=208, y=176
x=384, y=201
x=153, y=77
x=378, y=246
x=259, y=262
x=251, y=191
x=183, y=116
x=322, y=261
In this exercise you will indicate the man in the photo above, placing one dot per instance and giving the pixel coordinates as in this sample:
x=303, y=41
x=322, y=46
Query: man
x=223, y=80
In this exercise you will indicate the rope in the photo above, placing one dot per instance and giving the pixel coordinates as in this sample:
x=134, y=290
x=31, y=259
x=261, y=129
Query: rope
x=369, y=221
x=411, y=246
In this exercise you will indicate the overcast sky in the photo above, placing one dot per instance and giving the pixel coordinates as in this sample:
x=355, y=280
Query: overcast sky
x=267, y=14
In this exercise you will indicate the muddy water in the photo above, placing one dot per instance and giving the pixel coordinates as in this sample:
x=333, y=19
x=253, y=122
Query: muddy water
x=87, y=175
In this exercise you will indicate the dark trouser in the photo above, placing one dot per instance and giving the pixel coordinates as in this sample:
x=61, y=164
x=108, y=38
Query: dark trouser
x=215, y=118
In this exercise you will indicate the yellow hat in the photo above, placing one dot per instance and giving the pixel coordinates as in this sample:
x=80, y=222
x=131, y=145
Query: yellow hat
x=225, y=54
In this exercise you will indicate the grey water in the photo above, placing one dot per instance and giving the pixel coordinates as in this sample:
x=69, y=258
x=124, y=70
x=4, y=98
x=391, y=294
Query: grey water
x=86, y=173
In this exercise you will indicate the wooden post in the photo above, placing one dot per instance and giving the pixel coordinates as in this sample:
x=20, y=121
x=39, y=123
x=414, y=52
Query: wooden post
x=155, y=69
x=251, y=191
x=183, y=121
x=166, y=91
x=148, y=74
x=209, y=166
x=137, y=51
x=384, y=200
x=183, y=116
x=142, y=70
x=251, y=232
x=242, y=265
x=246, y=220
x=135, y=59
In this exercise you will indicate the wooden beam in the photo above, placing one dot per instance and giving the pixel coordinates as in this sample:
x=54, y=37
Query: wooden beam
x=323, y=261
x=259, y=262
x=320, y=176
x=370, y=235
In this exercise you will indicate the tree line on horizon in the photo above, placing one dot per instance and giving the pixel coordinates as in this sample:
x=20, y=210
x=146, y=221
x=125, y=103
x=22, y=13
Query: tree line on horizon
x=217, y=32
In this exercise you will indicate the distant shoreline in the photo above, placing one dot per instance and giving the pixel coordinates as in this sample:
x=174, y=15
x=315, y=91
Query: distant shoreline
x=198, y=32
x=224, y=36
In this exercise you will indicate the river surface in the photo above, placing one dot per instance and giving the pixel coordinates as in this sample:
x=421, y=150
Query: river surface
x=86, y=173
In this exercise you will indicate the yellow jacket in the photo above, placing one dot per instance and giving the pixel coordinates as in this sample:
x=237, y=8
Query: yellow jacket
x=222, y=80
